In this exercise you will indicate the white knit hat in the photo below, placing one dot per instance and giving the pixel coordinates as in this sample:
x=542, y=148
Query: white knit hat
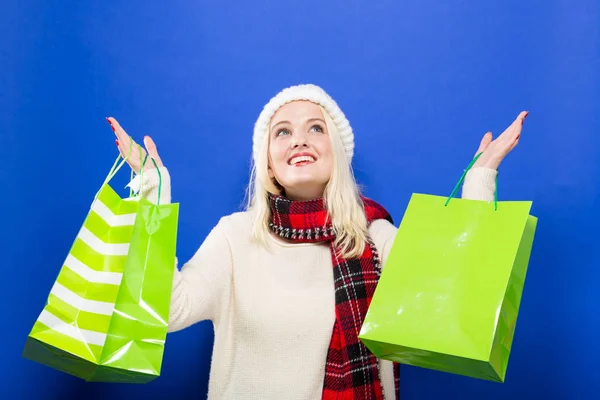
x=311, y=93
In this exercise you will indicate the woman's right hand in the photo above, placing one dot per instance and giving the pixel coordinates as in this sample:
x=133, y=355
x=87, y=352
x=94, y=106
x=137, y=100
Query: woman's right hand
x=127, y=146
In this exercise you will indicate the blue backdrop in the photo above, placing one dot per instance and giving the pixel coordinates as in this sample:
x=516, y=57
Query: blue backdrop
x=421, y=82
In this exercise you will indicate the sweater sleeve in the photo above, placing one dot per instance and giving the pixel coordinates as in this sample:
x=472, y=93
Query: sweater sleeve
x=383, y=234
x=480, y=184
x=203, y=280
x=153, y=181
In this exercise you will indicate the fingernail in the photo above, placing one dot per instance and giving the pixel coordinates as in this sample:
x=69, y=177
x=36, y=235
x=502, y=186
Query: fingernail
x=117, y=142
x=111, y=125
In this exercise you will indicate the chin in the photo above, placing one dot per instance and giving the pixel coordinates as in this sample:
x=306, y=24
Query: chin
x=307, y=180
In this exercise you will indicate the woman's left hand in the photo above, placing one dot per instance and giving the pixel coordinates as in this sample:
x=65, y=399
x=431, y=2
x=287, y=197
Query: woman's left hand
x=494, y=151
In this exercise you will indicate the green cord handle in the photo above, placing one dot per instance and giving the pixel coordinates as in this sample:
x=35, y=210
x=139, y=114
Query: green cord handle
x=131, y=194
x=142, y=175
x=117, y=166
x=159, y=180
x=143, y=163
x=462, y=178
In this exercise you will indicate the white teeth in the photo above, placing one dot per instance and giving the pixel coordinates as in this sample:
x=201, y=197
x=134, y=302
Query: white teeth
x=296, y=160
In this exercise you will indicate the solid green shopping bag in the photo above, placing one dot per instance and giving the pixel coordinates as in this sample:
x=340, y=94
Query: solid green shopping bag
x=106, y=316
x=449, y=294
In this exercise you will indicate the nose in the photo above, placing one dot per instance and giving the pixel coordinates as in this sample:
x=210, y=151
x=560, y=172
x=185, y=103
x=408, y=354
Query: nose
x=298, y=140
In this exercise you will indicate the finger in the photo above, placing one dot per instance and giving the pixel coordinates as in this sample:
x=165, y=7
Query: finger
x=522, y=116
x=128, y=148
x=514, y=128
x=514, y=144
x=485, y=142
x=150, y=146
x=124, y=140
x=517, y=125
x=118, y=133
x=152, y=150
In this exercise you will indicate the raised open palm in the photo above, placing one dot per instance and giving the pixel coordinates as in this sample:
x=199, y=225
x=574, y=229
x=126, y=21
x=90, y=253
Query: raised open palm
x=495, y=150
x=127, y=146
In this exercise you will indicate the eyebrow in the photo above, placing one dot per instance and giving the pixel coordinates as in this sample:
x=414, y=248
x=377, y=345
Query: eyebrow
x=288, y=122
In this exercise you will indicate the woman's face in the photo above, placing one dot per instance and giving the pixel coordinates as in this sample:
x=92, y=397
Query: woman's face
x=300, y=150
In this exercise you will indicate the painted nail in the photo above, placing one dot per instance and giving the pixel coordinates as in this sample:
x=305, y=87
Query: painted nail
x=111, y=125
x=117, y=142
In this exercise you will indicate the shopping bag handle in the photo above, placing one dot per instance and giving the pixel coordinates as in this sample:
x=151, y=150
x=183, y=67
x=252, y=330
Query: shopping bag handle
x=157, y=170
x=115, y=168
x=119, y=163
x=462, y=178
x=143, y=165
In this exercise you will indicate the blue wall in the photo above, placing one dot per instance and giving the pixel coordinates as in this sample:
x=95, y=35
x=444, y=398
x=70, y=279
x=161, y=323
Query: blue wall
x=421, y=82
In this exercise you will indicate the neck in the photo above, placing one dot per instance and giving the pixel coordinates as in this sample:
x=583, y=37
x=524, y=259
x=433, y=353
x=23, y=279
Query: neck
x=304, y=194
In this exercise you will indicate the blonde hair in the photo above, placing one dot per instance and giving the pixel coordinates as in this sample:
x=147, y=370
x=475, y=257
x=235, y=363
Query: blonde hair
x=341, y=197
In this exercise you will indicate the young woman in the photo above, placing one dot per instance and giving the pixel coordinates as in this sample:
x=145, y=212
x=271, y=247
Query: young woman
x=287, y=283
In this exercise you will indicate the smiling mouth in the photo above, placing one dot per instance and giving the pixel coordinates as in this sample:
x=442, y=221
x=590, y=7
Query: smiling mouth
x=301, y=160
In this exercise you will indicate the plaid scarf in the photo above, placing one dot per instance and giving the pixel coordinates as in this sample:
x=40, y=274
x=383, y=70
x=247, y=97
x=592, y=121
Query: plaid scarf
x=351, y=371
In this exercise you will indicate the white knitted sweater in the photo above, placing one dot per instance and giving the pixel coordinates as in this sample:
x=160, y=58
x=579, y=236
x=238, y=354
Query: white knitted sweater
x=273, y=309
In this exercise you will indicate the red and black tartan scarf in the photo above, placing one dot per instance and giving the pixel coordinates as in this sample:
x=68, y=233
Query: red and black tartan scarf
x=352, y=371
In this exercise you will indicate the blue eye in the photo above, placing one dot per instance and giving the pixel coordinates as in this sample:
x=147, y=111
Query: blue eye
x=317, y=128
x=282, y=131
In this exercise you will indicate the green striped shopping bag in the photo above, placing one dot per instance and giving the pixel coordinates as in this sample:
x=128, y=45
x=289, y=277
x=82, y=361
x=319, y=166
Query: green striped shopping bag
x=106, y=316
